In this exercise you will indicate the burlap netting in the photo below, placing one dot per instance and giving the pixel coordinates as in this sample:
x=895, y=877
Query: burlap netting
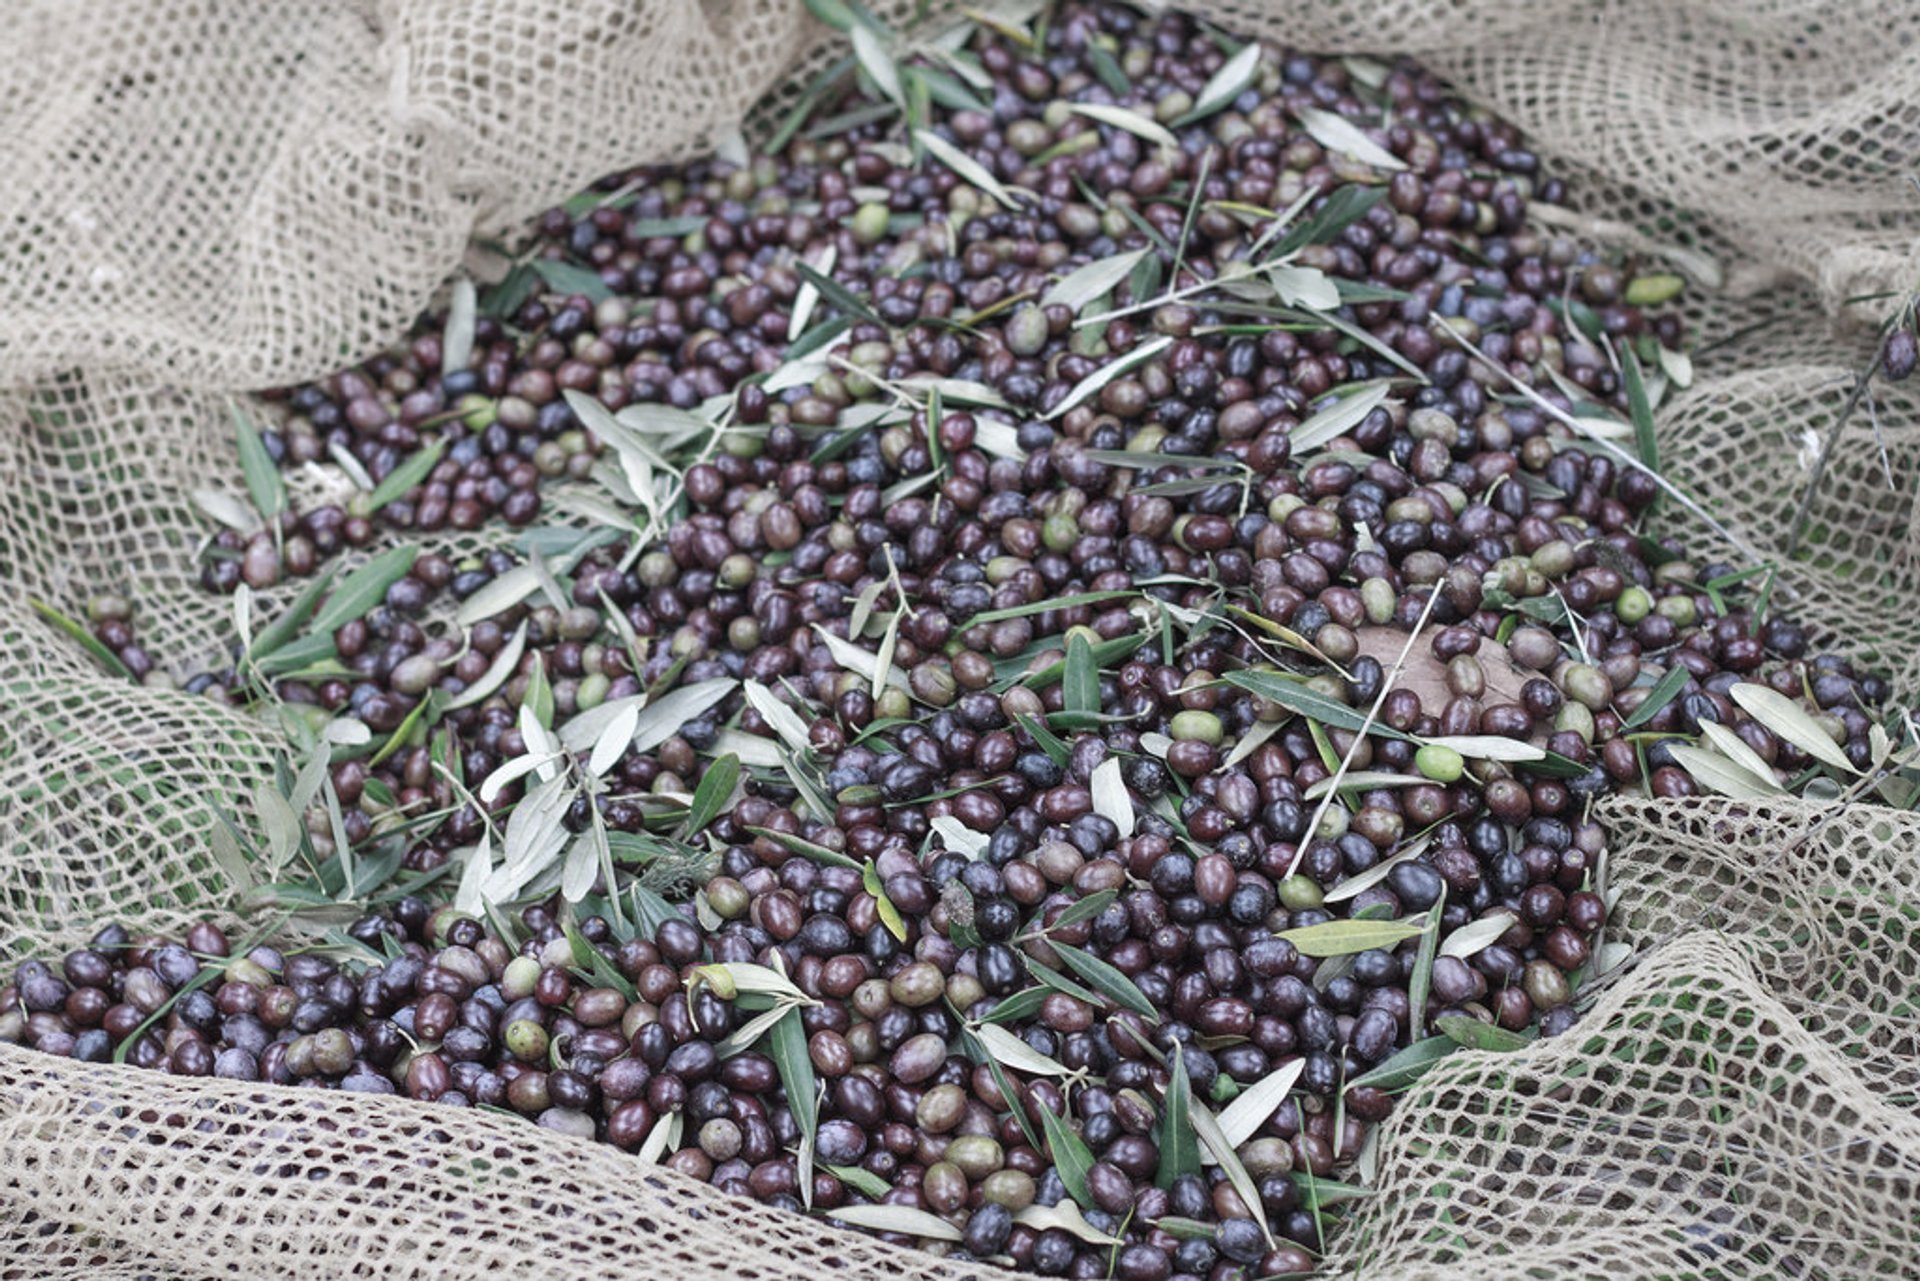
x=199, y=199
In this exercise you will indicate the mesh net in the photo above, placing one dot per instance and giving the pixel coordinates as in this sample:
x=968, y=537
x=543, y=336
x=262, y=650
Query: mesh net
x=199, y=201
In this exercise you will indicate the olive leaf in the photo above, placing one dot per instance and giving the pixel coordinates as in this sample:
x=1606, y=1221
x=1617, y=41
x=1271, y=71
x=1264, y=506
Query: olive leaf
x=1179, y=1147
x=1224, y=1156
x=1061, y=983
x=1085, y=909
x=1070, y=1154
x=807, y=849
x=83, y=636
x=469, y=897
x=584, y=858
x=650, y=910
x=787, y=1047
x=1488, y=747
x=861, y=661
x=1019, y=1006
x=865, y=1182
x=1339, y=938
x=612, y=743
x=997, y=438
x=1475, y=1035
x=863, y=606
x=406, y=476
x=783, y=720
x=1108, y=69
x=566, y=278
x=1106, y=980
x=226, y=509
x=878, y=64
x=1640, y=409
x=1250, y=1108
x=1304, y=287
x=1080, y=680
x=1735, y=749
x=1346, y=206
x=1134, y=122
x=888, y=913
x=1364, y=780
x=809, y=296
x=1408, y=1066
x=884, y=672
x=1676, y=365
x=358, y=593
x=1100, y=377
x=537, y=700
x=711, y=796
x=1724, y=776
x=1045, y=739
x=1296, y=697
x=1788, y=720
x=504, y=664
x=1338, y=134
x=1093, y=281
x=963, y=164
x=1225, y=84
x=1340, y=417
x=511, y=771
x=728, y=979
x=660, y=718
x=456, y=341
x=589, y=964
x=1664, y=691
x=1249, y=743
x=903, y=1219
x=958, y=837
x=1010, y=1051
x=1110, y=798
x=1421, y=982
x=663, y=1139
x=501, y=594
x=264, y=484
x=1067, y=1217
x=534, y=837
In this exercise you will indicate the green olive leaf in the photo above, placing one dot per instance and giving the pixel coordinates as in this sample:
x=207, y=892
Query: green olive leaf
x=711, y=796
x=1179, y=1146
x=83, y=636
x=1296, y=697
x=787, y=1047
x=264, y=484
x=1475, y=1035
x=1339, y=938
x=889, y=914
x=1106, y=980
x=1070, y=1155
x=1664, y=691
x=1408, y=1066
x=407, y=475
x=1217, y=1146
x=1421, y=983
x=356, y=594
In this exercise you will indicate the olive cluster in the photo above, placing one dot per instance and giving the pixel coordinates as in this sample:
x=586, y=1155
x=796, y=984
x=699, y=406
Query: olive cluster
x=1169, y=520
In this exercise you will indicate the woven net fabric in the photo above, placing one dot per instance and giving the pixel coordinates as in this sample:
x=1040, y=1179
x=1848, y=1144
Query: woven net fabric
x=200, y=199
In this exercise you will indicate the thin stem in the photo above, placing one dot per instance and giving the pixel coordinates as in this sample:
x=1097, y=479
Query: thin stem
x=1826, y=446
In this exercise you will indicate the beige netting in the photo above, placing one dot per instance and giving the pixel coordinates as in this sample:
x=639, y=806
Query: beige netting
x=199, y=199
